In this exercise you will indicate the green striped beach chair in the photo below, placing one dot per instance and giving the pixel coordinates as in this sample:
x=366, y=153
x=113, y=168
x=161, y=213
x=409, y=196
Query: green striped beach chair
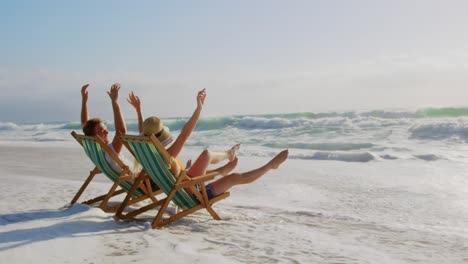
x=95, y=149
x=156, y=161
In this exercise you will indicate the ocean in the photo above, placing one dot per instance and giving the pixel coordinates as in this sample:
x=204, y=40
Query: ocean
x=359, y=187
x=429, y=134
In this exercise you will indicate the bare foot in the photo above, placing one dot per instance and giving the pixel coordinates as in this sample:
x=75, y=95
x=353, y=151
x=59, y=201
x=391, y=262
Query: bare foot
x=224, y=170
x=278, y=159
x=232, y=152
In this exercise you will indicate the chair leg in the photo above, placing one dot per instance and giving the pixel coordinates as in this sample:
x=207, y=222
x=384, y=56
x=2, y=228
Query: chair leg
x=163, y=222
x=162, y=210
x=150, y=192
x=126, y=201
x=100, y=198
x=203, y=199
x=85, y=184
x=176, y=217
x=143, y=209
x=141, y=181
x=109, y=195
x=212, y=213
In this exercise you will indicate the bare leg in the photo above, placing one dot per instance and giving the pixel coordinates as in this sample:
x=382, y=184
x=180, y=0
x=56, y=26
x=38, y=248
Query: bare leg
x=224, y=170
x=208, y=157
x=225, y=183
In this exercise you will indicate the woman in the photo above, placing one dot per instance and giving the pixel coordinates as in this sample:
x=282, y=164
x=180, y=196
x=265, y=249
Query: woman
x=154, y=125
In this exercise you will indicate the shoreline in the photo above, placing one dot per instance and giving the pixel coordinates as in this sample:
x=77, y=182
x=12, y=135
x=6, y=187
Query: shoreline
x=306, y=211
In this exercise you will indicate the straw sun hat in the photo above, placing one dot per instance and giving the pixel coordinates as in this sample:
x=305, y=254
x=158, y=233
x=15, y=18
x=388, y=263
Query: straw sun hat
x=154, y=125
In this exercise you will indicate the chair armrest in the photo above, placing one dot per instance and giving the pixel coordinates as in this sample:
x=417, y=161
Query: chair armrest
x=205, y=177
x=124, y=178
x=197, y=180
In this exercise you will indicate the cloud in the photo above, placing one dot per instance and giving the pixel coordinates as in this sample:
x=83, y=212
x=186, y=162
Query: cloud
x=39, y=94
x=398, y=81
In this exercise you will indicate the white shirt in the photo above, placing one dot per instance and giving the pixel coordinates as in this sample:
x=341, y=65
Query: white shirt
x=134, y=167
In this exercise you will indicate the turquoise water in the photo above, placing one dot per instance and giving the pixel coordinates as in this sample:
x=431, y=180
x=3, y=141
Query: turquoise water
x=427, y=134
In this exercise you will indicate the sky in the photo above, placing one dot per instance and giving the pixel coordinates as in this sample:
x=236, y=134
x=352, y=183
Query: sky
x=252, y=56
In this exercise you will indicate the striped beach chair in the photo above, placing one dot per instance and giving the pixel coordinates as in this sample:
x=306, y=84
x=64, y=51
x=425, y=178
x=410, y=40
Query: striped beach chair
x=156, y=162
x=96, y=149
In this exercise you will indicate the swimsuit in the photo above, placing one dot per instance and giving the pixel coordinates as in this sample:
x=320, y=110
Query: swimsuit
x=176, y=170
x=209, y=188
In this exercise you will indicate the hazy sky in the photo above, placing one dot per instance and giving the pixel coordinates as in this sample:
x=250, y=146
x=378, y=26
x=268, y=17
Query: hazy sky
x=252, y=56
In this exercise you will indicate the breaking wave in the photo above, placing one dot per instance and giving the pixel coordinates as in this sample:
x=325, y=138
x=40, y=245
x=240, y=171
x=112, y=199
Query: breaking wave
x=339, y=156
x=322, y=146
x=346, y=136
x=8, y=126
x=441, y=130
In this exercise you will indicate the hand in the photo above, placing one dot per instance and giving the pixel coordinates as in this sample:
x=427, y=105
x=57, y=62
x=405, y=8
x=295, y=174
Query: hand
x=84, y=92
x=201, y=98
x=134, y=100
x=114, y=92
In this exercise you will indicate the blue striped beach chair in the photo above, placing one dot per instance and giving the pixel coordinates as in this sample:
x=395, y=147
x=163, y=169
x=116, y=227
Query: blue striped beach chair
x=156, y=162
x=95, y=149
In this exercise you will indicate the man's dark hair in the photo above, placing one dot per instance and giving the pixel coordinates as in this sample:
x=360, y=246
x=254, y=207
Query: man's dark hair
x=88, y=128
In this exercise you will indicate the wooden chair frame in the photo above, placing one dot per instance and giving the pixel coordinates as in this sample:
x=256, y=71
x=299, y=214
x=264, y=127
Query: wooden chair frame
x=183, y=181
x=125, y=175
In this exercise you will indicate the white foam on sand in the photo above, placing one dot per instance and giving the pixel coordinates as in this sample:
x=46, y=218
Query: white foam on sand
x=308, y=211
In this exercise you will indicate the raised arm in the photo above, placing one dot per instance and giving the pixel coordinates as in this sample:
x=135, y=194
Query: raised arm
x=135, y=101
x=119, y=121
x=176, y=148
x=84, y=104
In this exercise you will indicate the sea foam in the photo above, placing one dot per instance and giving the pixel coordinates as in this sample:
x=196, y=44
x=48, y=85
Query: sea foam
x=347, y=136
x=8, y=126
x=337, y=156
x=441, y=130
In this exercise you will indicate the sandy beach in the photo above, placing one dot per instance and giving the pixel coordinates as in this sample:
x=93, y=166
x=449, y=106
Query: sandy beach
x=368, y=97
x=320, y=212
x=38, y=226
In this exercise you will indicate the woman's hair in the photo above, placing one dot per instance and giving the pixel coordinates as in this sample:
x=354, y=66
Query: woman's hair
x=88, y=128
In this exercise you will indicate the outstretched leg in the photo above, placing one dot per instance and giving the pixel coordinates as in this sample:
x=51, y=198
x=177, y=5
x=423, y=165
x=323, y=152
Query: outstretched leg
x=224, y=170
x=208, y=157
x=225, y=183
